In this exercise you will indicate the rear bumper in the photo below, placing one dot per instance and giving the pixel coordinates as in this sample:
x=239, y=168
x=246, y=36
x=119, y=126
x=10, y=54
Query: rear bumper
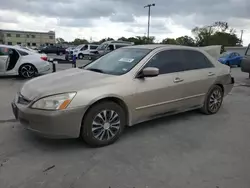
x=228, y=87
x=44, y=69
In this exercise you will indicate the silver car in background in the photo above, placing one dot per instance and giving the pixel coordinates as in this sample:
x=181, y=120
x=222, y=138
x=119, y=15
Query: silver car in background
x=125, y=87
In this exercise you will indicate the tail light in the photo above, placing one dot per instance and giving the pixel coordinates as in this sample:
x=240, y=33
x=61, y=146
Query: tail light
x=44, y=58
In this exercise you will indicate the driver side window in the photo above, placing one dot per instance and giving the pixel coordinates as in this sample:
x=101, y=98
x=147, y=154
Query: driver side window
x=168, y=61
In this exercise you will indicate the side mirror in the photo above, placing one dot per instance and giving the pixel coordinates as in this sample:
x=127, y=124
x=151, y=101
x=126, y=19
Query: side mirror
x=149, y=72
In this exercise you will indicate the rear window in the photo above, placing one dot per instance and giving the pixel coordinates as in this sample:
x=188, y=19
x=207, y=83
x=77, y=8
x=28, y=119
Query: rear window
x=22, y=53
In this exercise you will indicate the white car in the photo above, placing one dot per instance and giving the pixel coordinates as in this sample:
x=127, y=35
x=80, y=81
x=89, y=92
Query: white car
x=84, y=50
x=16, y=60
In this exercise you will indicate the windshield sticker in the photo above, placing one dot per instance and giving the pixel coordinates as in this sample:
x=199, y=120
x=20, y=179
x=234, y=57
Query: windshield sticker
x=127, y=60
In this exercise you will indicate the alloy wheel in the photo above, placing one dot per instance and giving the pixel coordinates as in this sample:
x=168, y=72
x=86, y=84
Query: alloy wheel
x=215, y=100
x=28, y=71
x=106, y=125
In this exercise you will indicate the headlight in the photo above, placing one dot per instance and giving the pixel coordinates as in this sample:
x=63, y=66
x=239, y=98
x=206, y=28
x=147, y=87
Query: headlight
x=55, y=102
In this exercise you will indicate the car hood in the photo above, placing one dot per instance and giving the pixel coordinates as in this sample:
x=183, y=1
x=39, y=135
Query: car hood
x=64, y=81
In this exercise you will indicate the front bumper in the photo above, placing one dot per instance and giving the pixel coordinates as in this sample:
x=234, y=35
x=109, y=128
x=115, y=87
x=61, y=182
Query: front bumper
x=51, y=124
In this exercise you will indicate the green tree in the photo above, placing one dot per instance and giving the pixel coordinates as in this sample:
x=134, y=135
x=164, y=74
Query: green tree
x=105, y=39
x=185, y=41
x=218, y=33
x=60, y=40
x=78, y=41
x=168, y=41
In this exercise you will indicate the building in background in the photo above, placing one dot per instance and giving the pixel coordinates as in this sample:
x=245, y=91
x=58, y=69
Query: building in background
x=27, y=38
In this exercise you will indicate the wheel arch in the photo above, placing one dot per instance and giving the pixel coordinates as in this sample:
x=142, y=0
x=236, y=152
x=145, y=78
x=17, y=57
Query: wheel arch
x=27, y=64
x=114, y=99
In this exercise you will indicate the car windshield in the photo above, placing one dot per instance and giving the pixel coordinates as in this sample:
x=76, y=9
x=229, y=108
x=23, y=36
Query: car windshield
x=225, y=54
x=79, y=47
x=102, y=46
x=119, y=61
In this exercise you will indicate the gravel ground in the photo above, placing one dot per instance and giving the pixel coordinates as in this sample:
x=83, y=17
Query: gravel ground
x=187, y=150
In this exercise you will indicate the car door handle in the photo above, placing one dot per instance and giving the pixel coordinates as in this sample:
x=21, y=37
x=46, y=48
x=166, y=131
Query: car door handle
x=177, y=79
x=211, y=74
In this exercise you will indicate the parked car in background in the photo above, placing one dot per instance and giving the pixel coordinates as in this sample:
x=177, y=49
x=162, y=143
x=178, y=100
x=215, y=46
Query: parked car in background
x=245, y=64
x=230, y=58
x=22, y=62
x=81, y=51
x=84, y=51
x=69, y=53
x=125, y=87
x=52, y=50
x=107, y=47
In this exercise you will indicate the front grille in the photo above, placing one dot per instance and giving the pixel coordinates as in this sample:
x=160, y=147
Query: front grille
x=23, y=100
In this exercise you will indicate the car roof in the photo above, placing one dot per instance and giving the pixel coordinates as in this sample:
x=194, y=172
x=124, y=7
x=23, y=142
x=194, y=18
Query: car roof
x=16, y=48
x=154, y=46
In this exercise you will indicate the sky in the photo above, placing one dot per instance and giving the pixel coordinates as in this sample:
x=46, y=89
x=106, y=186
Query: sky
x=97, y=19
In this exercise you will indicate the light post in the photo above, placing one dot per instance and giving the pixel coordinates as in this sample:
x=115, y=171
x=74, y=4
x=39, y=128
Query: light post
x=149, y=11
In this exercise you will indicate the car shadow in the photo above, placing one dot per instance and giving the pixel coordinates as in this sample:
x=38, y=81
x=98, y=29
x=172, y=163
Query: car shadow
x=78, y=144
x=48, y=144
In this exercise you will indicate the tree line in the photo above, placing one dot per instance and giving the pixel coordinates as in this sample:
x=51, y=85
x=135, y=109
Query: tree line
x=219, y=33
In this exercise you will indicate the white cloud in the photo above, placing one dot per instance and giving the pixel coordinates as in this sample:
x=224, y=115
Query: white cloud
x=109, y=18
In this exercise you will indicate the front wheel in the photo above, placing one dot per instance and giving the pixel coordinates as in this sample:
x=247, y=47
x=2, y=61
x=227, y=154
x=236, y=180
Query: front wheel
x=227, y=63
x=27, y=71
x=213, y=100
x=103, y=124
x=80, y=56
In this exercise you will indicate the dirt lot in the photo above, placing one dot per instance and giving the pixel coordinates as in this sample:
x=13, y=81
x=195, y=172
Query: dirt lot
x=188, y=150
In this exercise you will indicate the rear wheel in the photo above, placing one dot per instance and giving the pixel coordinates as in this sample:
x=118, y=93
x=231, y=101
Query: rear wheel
x=27, y=71
x=213, y=100
x=103, y=124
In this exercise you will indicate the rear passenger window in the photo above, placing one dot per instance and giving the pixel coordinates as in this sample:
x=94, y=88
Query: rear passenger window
x=167, y=61
x=195, y=60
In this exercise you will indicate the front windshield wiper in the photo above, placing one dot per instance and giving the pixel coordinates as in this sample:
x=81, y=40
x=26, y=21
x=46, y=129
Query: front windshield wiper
x=95, y=70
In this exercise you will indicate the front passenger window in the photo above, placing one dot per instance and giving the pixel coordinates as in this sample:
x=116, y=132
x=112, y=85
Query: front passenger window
x=167, y=61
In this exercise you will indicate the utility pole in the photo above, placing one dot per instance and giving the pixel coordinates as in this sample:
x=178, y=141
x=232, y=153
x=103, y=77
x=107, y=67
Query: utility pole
x=149, y=12
x=241, y=35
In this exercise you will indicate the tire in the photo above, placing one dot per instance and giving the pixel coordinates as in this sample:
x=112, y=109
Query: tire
x=80, y=56
x=215, y=96
x=227, y=63
x=60, y=53
x=103, y=134
x=27, y=71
